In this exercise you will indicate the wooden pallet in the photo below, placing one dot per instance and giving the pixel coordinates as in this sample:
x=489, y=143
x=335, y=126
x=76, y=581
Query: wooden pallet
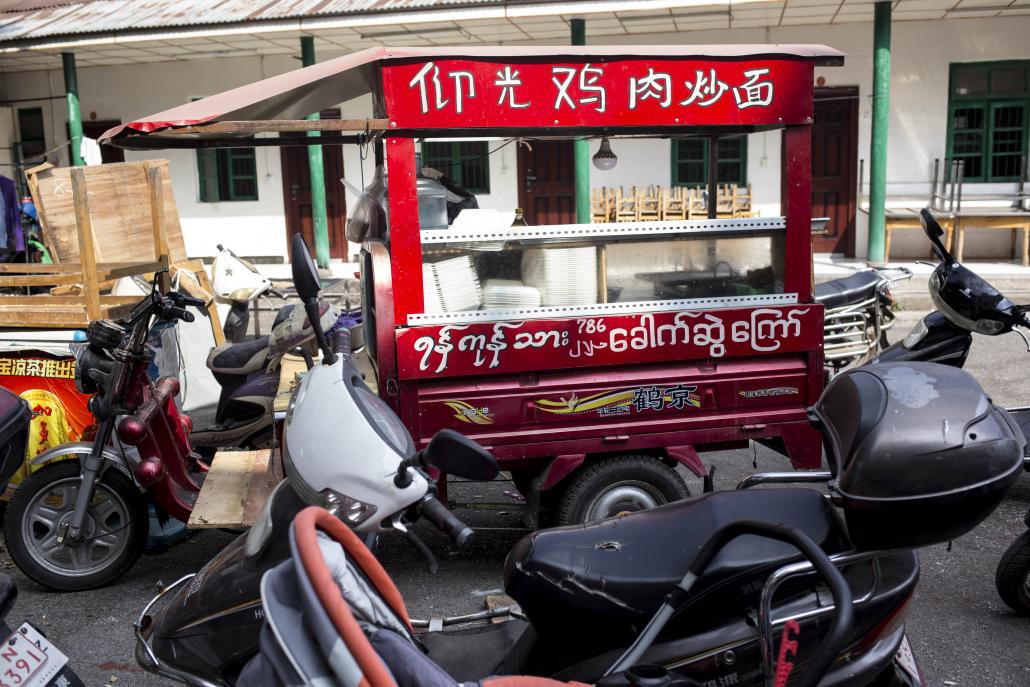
x=75, y=307
x=236, y=489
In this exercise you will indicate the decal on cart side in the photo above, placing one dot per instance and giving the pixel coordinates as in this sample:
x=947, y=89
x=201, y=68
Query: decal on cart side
x=769, y=391
x=532, y=345
x=466, y=412
x=624, y=402
x=644, y=92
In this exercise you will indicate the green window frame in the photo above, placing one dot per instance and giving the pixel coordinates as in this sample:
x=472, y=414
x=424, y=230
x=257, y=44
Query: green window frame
x=467, y=163
x=227, y=174
x=988, y=114
x=690, y=161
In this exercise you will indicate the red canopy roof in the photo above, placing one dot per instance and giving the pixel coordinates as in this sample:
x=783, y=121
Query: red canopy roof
x=298, y=93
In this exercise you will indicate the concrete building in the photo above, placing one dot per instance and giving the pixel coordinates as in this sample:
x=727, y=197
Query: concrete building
x=959, y=87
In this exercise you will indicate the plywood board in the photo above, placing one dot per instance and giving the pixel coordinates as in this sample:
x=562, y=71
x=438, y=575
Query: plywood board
x=222, y=501
x=119, y=210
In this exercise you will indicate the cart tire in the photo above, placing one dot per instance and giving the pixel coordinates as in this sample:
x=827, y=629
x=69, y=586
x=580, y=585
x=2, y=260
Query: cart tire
x=618, y=485
x=29, y=522
x=1013, y=576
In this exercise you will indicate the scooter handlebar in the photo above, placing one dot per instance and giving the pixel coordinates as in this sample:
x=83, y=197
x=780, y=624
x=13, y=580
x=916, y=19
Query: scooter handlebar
x=438, y=514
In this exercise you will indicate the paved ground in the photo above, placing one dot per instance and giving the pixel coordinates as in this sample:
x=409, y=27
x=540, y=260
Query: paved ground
x=961, y=632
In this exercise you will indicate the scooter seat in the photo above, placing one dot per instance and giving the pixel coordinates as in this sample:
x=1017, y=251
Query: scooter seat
x=837, y=293
x=239, y=358
x=570, y=581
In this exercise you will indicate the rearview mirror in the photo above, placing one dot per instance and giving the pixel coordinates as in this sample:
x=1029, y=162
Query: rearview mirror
x=305, y=275
x=934, y=233
x=456, y=454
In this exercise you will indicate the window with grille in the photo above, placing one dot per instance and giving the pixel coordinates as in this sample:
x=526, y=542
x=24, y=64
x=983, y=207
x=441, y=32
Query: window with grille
x=988, y=106
x=227, y=174
x=467, y=163
x=690, y=161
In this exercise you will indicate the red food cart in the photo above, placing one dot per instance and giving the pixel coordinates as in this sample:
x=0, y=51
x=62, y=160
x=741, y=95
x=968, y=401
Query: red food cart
x=590, y=358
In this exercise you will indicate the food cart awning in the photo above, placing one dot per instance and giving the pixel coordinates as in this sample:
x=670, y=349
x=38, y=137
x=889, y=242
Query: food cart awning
x=294, y=95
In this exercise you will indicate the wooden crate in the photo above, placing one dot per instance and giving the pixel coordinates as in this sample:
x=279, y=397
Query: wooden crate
x=78, y=288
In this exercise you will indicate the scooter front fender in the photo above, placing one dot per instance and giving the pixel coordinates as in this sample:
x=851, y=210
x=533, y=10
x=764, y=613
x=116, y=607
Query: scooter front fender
x=81, y=448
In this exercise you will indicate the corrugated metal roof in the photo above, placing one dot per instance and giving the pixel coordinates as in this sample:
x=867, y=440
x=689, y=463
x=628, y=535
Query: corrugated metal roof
x=24, y=19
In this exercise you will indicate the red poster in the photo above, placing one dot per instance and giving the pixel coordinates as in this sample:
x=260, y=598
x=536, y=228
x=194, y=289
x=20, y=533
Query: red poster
x=607, y=92
x=533, y=345
x=59, y=412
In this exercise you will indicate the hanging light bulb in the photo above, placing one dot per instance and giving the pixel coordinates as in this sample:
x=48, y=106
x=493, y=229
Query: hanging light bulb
x=604, y=158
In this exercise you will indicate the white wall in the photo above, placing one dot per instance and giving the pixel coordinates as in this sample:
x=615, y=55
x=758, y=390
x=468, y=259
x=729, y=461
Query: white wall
x=253, y=228
x=922, y=52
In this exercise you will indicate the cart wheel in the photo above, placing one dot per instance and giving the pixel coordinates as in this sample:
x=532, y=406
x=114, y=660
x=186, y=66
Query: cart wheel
x=1013, y=576
x=619, y=485
x=115, y=530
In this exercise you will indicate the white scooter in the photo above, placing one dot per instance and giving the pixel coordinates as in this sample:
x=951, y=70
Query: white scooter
x=237, y=284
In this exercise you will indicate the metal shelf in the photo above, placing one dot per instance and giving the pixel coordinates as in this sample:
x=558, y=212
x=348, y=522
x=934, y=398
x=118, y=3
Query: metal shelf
x=563, y=233
x=599, y=309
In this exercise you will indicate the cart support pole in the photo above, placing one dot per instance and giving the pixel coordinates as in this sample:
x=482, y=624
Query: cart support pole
x=581, y=148
x=319, y=219
x=71, y=89
x=881, y=113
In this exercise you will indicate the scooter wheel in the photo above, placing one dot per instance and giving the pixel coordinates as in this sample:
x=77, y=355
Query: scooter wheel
x=1013, y=576
x=618, y=485
x=115, y=529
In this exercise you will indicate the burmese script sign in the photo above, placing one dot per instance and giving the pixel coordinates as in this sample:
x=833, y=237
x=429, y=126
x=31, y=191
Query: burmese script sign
x=532, y=345
x=628, y=92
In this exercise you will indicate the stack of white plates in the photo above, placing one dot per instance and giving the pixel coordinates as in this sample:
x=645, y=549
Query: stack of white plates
x=505, y=294
x=457, y=283
x=564, y=276
x=430, y=290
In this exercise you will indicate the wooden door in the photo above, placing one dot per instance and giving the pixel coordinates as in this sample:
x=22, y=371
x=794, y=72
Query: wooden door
x=835, y=167
x=547, y=184
x=297, y=195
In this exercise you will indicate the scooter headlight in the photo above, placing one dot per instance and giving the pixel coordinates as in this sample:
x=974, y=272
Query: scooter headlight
x=350, y=510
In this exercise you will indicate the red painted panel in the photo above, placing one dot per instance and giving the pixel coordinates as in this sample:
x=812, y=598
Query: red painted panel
x=797, y=187
x=405, y=245
x=461, y=93
x=535, y=345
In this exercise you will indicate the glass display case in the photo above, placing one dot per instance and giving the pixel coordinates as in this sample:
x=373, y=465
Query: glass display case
x=593, y=269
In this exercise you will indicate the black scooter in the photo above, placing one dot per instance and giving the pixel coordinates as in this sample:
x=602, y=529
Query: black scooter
x=966, y=303
x=587, y=591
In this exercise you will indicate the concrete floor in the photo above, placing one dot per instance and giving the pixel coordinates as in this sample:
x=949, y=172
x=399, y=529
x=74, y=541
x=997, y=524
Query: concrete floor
x=961, y=633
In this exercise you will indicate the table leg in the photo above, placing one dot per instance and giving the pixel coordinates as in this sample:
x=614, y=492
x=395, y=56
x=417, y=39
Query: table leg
x=1026, y=245
x=960, y=240
x=949, y=235
x=888, y=229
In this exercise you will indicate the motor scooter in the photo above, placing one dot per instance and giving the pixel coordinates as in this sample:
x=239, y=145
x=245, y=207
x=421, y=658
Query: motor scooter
x=81, y=520
x=858, y=314
x=237, y=285
x=967, y=303
x=587, y=589
x=331, y=611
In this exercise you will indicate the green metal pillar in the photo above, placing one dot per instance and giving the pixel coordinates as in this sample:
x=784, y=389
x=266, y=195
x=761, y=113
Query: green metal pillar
x=316, y=170
x=881, y=114
x=71, y=89
x=581, y=148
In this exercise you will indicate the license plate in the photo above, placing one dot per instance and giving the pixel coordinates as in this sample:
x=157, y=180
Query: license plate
x=906, y=660
x=28, y=659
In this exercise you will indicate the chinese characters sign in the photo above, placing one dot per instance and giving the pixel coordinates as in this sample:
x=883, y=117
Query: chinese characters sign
x=464, y=93
x=59, y=411
x=501, y=347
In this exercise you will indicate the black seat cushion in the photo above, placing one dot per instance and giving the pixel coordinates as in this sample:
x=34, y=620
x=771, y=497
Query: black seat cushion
x=239, y=358
x=856, y=288
x=616, y=571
